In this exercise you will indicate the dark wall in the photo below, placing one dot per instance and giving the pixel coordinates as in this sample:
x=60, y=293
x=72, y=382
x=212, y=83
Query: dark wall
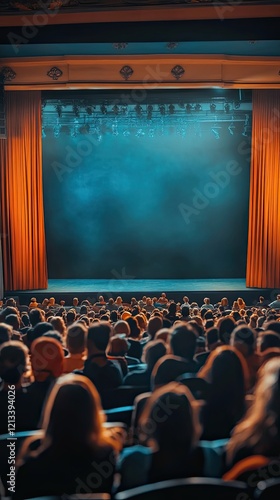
x=172, y=203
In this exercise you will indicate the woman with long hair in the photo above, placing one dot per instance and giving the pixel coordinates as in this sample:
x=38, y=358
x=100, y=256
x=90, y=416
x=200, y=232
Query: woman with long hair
x=227, y=373
x=258, y=433
x=169, y=432
x=74, y=455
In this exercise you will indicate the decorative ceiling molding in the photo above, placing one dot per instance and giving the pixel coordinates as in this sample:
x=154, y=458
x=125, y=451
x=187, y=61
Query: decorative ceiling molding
x=8, y=74
x=74, y=11
x=149, y=72
x=178, y=71
x=55, y=73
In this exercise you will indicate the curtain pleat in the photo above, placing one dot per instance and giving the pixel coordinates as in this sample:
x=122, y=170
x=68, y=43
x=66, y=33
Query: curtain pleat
x=24, y=248
x=263, y=257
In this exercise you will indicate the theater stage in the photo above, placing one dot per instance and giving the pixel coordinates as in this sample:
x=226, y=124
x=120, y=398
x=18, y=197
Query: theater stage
x=175, y=289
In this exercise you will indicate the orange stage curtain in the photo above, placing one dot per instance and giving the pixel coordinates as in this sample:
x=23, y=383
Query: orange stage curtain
x=263, y=258
x=22, y=214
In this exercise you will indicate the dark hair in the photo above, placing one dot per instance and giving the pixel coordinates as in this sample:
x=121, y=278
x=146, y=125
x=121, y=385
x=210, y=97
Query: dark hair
x=152, y=352
x=212, y=336
x=268, y=339
x=225, y=326
x=13, y=360
x=245, y=335
x=134, y=327
x=35, y=316
x=185, y=311
x=99, y=334
x=183, y=342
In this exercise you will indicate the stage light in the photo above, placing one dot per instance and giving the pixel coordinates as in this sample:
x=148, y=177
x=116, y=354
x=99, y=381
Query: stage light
x=103, y=109
x=212, y=107
x=189, y=108
x=58, y=109
x=227, y=107
x=89, y=110
x=236, y=105
x=76, y=110
x=162, y=109
x=171, y=109
x=198, y=107
x=138, y=110
x=115, y=110
x=149, y=111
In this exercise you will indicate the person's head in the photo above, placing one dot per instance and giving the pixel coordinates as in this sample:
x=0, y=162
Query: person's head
x=224, y=302
x=6, y=332
x=71, y=316
x=244, y=339
x=154, y=324
x=134, y=328
x=163, y=334
x=260, y=427
x=206, y=300
x=185, y=311
x=38, y=331
x=268, y=339
x=183, y=342
x=46, y=358
x=186, y=299
x=167, y=422
x=113, y=316
x=58, y=323
x=152, y=352
x=76, y=338
x=122, y=327
x=75, y=301
x=119, y=301
x=225, y=326
x=13, y=362
x=98, y=337
x=172, y=308
x=227, y=372
x=72, y=418
x=212, y=338
x=261, y=299
x=118, y=346
x=36, y=316
x=25, y=319
x=142, y=321
x=13, y=320
x=272, y=325
x=167, y=369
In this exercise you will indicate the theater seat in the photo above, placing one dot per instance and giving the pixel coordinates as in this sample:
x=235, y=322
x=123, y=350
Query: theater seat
x=198, y=386
x=191, y=489
x=268, y=490
x=82, y=496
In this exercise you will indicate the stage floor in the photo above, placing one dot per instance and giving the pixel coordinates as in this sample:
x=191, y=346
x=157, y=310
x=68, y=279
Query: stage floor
x=175, y=289
x=133, y=285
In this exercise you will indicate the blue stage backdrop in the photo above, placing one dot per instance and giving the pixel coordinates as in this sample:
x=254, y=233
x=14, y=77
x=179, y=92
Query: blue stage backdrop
x=147, y=201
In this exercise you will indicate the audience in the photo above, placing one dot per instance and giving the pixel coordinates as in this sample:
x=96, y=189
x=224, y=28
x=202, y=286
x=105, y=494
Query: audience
x=104, y=373
x=235, y=349
x=73, y=447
